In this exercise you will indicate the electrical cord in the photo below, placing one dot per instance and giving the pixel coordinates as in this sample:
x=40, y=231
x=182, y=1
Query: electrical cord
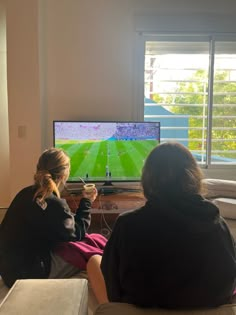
x=105, y=231
x=103, y=219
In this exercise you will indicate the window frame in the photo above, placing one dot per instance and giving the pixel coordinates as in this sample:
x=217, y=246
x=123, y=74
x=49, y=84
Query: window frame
x=139, y=67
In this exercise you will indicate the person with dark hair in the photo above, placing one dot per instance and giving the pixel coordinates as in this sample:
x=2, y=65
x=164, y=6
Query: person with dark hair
x=176, y=251
x=39, y=225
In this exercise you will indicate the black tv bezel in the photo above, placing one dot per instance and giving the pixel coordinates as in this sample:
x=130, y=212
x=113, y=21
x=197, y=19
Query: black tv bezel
x=108, y=181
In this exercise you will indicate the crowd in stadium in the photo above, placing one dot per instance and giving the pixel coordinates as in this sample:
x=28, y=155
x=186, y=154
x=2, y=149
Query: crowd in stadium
x=103, y=131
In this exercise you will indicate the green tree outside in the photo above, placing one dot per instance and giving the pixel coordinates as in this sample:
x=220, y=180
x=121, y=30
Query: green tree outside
x=194, y=93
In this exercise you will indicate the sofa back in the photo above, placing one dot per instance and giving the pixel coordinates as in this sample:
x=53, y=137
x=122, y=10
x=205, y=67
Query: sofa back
x=128, y=309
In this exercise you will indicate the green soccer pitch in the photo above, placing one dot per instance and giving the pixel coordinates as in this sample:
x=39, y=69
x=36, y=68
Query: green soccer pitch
x=94, y=160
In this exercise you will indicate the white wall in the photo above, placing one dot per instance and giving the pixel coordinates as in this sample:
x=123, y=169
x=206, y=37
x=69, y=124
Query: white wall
x=4, y=134
x=23, y=91
x=74, y=59
x=89, y=51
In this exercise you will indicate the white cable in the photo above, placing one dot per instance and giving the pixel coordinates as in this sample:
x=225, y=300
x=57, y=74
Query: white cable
x=103, y=215
x=104, y=220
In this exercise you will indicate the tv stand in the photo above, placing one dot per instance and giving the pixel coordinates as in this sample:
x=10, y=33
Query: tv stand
x=110, y=202
x=108, y=183
x=110, y=190
x=106, y=188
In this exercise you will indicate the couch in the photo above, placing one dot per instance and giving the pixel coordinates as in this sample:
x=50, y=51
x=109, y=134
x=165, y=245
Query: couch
x=221, y=192
x=70, y=297
x=127, y=309
x=46, y=296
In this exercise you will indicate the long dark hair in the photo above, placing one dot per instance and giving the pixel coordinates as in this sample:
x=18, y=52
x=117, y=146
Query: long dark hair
x=170, y=169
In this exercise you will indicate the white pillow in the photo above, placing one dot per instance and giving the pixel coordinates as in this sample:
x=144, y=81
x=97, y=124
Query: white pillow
x=219, y=188
x=227, y=207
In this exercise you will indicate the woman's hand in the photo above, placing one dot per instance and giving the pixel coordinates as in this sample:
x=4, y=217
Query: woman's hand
x=90, y=194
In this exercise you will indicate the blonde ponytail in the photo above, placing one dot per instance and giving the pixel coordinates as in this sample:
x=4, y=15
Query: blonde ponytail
x=52, y=168
x=46, y=185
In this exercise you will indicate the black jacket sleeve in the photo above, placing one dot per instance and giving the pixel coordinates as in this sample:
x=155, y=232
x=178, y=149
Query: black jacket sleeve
x=57, y=222
x=82, y=218
x=110, y=264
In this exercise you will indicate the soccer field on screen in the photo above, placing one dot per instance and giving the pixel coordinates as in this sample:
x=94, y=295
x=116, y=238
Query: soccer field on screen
x=94, y=160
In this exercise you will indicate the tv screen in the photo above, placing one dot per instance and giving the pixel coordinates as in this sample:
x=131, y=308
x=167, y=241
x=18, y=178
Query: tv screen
x=106, y=151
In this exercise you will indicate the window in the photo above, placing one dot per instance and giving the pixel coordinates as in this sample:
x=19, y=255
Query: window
x=190, y=87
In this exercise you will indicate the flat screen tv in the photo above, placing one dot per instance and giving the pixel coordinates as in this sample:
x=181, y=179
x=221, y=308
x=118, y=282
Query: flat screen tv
x=106, y=151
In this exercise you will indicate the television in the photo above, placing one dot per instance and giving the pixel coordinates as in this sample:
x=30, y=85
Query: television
x=106, y=151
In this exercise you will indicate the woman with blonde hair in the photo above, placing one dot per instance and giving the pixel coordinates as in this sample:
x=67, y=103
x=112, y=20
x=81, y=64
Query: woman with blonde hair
x=39, y=220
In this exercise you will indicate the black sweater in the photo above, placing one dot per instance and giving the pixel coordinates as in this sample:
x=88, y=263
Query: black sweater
x=172, y=254
x=30, y=231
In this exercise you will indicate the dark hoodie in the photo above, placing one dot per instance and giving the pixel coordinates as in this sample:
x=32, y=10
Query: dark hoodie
x=30, y=230
x=173, y=254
